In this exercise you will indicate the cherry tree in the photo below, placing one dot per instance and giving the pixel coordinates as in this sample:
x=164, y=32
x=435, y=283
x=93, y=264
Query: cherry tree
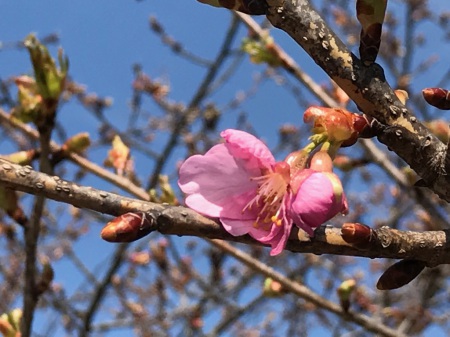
x=188, y=237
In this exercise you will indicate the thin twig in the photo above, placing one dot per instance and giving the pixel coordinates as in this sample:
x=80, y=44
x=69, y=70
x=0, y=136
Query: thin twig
x=306, y=293
x=200, y=94
x=33, y=228
x=100, y=290
x=377, y=155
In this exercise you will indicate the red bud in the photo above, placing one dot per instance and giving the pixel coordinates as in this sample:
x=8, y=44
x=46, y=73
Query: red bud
x=128, y=227
x=356, y=233
x=437, y=97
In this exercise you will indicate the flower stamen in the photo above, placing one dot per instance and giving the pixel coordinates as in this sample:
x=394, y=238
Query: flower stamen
x=272, y=187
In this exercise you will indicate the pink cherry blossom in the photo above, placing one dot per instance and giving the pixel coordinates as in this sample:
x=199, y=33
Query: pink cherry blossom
x=240, y=183
x=319, y=197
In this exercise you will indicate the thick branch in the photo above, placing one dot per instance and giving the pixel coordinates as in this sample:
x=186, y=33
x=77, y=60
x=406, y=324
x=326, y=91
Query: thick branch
x=431, y=247
x=375, y=154
x=367, y=87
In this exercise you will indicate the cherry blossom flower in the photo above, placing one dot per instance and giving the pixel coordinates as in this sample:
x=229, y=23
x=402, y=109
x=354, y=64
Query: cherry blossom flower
x=319, y=197
x=240, y=183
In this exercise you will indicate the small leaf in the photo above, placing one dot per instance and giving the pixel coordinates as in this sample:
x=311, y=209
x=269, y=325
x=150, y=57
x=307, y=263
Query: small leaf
x=402, y=95
x=119, y=157
x=30, y=101
x=164, y=193
x=21, y=157
x=260, y=50
x=78, y=143
x=10, y=323
x=400, y=274
x=50, y=79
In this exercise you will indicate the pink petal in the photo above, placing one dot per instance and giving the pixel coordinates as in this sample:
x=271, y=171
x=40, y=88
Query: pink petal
x=238, y=227
x=213, y=180
x=279, y=234
x=315, y=202
x=233, y=205
x=276, y=237
x=246, y=146
x=281, y=239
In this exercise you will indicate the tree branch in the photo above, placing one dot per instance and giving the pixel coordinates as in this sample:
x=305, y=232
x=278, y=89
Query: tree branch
x=306, y=293
x=100, y=290
x=367, y=87
x=368, y=145
x=432, y=247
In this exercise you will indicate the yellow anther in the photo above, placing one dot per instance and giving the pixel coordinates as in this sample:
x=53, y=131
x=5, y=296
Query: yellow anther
x=276, y=220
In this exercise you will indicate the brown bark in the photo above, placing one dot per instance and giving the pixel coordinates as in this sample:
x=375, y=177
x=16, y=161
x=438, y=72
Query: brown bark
x=431, y=246
x=368, y=88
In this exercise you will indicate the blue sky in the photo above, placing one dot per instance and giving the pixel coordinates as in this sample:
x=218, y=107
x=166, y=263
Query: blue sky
x=103, y=39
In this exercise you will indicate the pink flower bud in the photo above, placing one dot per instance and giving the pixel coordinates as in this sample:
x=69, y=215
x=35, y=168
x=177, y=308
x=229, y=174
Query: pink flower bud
x=338, y=124
x=322, y=162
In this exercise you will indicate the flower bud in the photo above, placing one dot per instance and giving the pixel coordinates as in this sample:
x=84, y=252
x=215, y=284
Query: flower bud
x=78, y=143
x=10, y=323
x=440, y=129
x=356, y=233
x=21, y=157
x=140, y=258
x=319, y=197
x=297, y=160
x=344, y=163
x=272, y=288
x=128, y=227
x=119, y=157
x=344, y=292
x=437, y=97
x=338, y=124
x=322, y=162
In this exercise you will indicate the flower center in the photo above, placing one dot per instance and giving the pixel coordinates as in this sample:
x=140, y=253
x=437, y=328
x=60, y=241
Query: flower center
x=272, y=187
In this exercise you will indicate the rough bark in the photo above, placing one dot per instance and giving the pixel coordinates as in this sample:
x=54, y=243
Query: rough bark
x=367, y=87
x=432, y=247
